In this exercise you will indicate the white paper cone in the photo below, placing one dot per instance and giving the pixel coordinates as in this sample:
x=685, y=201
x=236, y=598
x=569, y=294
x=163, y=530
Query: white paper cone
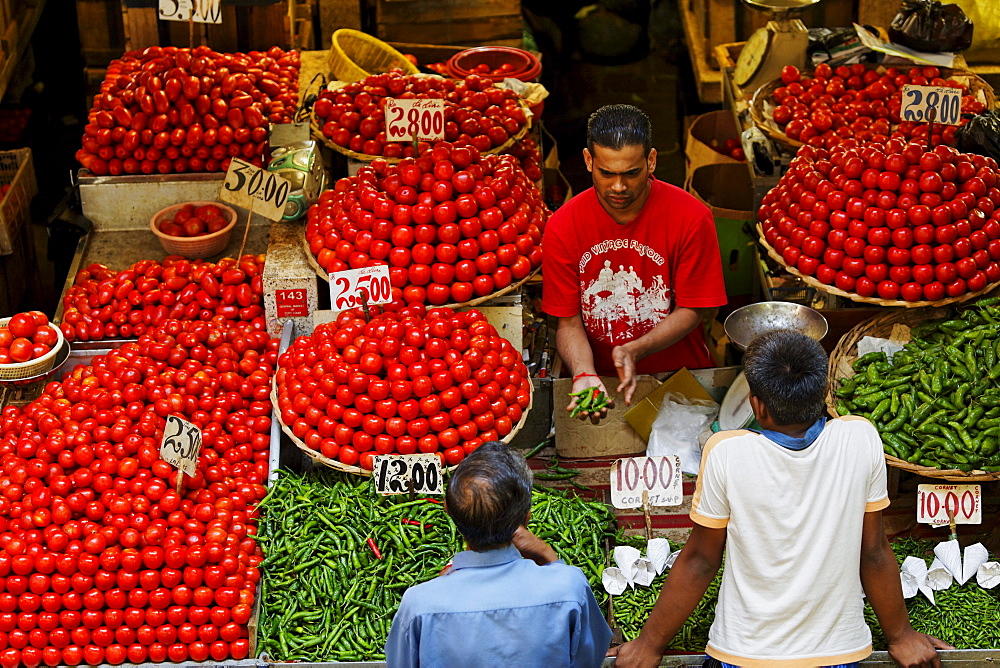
x=938, y=576
x=988, y=575
x=950, y=555
x=672, y=558
x=644, y=573
x=657, y=551
x=614, y=581
x=625, y=557
x=916, y=568
x=975, y=556
x=909, y=583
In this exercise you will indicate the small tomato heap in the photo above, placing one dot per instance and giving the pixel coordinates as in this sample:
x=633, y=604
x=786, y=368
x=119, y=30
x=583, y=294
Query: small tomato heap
x=404, y=382
x=891, y=221
x=476, y=112
x=103, y=303
x=173, y=110
x=26, y=336
x=451, y=224
x=192, y=221
x=101, y=560
x=854, y=101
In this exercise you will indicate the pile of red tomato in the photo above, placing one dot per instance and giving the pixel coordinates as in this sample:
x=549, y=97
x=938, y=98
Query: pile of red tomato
x=173, y=110
x=891, y=221
x=409, y=380
x=476, y=112
x=103, y=303
x=102, y=560
x=26, y=336
x=450, y=225
x=857, y=102
x=192, y=221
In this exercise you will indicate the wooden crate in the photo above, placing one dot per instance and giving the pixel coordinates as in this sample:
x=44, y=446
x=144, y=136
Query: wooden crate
x=450, y=21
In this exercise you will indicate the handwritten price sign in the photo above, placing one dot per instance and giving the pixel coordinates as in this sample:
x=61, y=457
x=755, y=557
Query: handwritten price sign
x=659, y=477
x=199, y=11
x=251, y=187
x=940, y=104
x=346, y=287
x=393, y=474
x=964, y=502
x=406, y=120
x=181, y=444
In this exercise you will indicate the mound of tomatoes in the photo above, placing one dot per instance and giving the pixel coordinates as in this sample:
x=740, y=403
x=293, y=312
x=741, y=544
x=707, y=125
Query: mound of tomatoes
x=451, y=224
x=857, y=102
x=892, y=221
x=192, y=221
x=409, y=380
x=26, y=336
x=101, y=559
x=476, y=113
x=173, y=110
x=103, y=303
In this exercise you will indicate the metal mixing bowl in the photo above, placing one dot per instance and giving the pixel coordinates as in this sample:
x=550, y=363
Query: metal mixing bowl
x=748, y=322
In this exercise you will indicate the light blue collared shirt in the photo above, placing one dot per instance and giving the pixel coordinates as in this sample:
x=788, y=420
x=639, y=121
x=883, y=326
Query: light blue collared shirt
x=496, y=609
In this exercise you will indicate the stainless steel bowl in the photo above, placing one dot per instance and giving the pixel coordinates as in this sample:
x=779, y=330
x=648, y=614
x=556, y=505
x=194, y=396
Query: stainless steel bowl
x=748, y=322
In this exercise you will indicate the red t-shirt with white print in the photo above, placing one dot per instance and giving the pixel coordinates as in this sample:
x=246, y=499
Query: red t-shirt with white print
x=625, y=279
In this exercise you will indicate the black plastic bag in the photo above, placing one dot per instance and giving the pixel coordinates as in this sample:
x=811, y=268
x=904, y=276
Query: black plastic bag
x=981, y=135
x=929, y=26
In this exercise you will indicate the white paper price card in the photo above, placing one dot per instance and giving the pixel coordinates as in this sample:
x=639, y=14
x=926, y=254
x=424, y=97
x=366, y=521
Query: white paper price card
x=199, y=11
x=251, y=187
x=392, y=474
x=181, y=444
x=964, y=501
x=659, y=477
x=346, y=287
x=939, y=104
x=406, y=120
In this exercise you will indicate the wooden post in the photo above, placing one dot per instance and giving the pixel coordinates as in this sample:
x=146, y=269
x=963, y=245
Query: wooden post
x=645, y=514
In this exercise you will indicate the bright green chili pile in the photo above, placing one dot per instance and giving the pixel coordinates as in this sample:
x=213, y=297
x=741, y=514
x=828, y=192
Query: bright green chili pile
x=937, y=403
x=338, y=558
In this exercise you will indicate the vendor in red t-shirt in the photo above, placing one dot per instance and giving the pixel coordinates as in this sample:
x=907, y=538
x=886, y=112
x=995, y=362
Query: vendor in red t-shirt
x=631, y=266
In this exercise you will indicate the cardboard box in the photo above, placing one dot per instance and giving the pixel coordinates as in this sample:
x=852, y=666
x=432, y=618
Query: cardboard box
x=642, y=415
x=611, y=436
x=708, y=132
x=726, y=190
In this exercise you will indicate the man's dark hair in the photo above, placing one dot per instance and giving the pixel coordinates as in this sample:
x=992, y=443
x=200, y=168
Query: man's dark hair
x=616, y=126
x=786, y=370
x=489, y=495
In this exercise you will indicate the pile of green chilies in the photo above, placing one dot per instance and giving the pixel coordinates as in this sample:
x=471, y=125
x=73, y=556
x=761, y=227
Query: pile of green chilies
x=327, y=595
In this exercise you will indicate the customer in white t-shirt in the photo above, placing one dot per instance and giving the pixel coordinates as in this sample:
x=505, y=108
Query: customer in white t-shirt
x=797, y=507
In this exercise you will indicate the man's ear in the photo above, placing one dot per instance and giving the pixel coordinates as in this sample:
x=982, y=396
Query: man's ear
x=588, y=159
x=527, y=518
x=651, y=160
x=759, y=409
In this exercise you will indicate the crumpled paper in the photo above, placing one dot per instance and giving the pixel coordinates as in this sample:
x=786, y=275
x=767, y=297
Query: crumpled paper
x=672, y=558
x=658, y=551
x=626, y=557
x=870, y=344
x=644, y=572
x=938, y=576
x=913, y=577
x=614, y=580
x=988, y=575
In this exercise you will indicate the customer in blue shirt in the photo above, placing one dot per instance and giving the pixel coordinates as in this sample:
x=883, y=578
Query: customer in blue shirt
x=506, y=601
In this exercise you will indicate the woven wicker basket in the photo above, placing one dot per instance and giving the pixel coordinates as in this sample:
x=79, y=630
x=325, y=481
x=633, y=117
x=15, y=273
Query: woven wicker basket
x=355, y=55
x=761, y=106
x=357, y=470
x=21, y=370
x=846, y=352
x=833, y=290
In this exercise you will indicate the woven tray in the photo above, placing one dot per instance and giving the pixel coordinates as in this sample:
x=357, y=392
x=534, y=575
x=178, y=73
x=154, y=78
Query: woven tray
x=357, y=470
x=834, y=290
x=846, y=352
x=761, y=105
x=472, y=302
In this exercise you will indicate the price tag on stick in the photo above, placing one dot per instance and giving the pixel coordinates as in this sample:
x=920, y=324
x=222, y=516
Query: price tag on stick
x=252, y=188
x=400, y=474
x=658, y=479
x=198, y=11
x=348, y=286
x=963, y=501
x=938, y=104
x=181, y=446
x=407, y=120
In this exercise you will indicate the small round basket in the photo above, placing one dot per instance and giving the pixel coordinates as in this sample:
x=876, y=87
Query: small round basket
x=526, y=67
x=194, y=248
x=355, y=55
x=846, y=352
x=35, y=367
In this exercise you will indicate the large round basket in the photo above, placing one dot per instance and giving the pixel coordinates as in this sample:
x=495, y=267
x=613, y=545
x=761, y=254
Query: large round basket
x=762, y=106
x=896, y=325
x=357, y=470
x=355, y=55
x=853, y=296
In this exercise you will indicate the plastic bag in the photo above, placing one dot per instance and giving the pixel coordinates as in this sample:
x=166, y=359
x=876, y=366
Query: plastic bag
x=677, y=427
x=929, y=26
x=981, y=135
x=986, y=37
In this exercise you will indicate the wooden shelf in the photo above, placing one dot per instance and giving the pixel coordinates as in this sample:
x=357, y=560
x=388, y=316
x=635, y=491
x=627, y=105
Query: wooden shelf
x=709, y=80
x=16, y=37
